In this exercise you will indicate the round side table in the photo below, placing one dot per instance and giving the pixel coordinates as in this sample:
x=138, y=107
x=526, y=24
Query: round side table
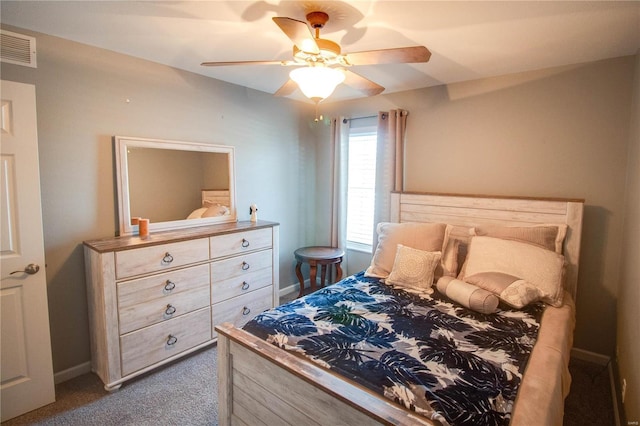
x=314, y=256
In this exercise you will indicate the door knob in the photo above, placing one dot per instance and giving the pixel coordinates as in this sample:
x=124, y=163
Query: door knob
x=31, y=269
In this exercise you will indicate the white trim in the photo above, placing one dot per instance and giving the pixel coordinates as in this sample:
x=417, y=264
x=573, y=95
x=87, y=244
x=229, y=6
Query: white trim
x=71, y=373
x=359, y=247
x=589, y=356
x=614, y=395
x=284, y=291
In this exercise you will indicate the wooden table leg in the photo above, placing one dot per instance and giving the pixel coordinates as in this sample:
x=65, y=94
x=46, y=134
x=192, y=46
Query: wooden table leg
x=312, y=275
x=323, y=275
x=300, y=278
x=338, y=271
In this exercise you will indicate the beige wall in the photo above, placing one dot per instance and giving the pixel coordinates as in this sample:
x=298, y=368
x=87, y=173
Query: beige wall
x=86, y=95
x=561, y=132
x=629, y=290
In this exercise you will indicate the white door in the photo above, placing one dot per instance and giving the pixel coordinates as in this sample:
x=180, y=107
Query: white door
x=25, y=343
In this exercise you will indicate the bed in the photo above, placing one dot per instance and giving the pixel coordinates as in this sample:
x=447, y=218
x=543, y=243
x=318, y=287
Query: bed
x=215, y=202
x=260, y=383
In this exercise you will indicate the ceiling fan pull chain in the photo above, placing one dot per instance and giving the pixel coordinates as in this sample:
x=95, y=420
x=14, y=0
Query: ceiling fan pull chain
x=317, y=119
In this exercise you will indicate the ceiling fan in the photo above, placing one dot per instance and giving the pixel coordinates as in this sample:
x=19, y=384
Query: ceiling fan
x=322, y=65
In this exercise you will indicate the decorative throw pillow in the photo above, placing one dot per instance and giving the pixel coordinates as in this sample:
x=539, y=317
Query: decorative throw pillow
x=539, y=267
x=421, y=236
x=454, y=250
x=468, y=295
x=413, y=268
x=550, y=237
x=511, y=290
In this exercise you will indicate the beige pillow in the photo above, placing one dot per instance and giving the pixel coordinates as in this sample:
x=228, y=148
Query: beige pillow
x=550, y=237
x=413, y=268
x=468, y=295
x=421, y=236
x=454, y=250
x=537, y=266
x=511, y=290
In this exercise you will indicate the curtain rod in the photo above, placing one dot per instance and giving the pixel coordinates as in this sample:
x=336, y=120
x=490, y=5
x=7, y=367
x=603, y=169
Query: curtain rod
x=358, y=118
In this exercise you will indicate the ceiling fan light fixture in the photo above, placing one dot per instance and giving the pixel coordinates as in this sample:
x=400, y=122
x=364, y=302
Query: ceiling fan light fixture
x=329, y=51
x=317, y=82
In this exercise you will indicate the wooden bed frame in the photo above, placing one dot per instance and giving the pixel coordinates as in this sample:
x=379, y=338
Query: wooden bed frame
x=261, y=384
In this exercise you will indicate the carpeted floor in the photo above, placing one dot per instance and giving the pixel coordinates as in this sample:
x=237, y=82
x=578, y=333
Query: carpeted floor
x=185, y=393
x=182, y=393
x=589, y=401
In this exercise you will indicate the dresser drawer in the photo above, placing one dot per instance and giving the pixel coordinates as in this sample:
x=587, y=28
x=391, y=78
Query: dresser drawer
x=153, y=344
x=158, y=298
x=240, y=242
x=241, y=309
x=240, y=265
x=235, y=286
x=157, y=258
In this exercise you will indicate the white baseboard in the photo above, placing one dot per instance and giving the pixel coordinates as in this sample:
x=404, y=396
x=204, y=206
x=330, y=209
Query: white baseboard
x=614, y=395
x=295, y=287
x=70, y=373
x=290, y=289
x=589, y=356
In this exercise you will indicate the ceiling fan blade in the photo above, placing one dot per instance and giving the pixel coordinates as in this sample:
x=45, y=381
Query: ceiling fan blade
x=399, y=55
x=362, y=84
x=299, y=33
x=224, y=64
x=286, y=89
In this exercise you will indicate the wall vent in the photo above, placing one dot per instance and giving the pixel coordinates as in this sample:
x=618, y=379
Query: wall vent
x=17, y=49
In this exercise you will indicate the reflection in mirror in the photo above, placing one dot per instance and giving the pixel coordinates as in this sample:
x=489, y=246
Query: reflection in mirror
x=173, y=184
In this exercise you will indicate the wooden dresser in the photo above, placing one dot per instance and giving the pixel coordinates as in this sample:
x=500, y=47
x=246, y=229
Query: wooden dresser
x=156, y=299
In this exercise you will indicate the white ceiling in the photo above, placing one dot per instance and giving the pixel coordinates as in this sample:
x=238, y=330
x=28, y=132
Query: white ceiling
x=468, y=40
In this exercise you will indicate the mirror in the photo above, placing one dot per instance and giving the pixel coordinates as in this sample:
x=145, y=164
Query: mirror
x=174, y=184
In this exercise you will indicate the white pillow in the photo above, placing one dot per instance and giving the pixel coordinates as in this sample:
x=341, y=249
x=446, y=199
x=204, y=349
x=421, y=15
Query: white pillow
x=414, y=268
x=540, y=267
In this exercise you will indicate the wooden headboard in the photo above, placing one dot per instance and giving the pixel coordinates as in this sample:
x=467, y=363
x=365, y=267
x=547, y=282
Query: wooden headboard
x=476, y=210
x=216, y=196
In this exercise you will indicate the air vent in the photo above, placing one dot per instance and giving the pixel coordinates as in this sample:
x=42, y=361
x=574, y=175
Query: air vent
x=17, y=49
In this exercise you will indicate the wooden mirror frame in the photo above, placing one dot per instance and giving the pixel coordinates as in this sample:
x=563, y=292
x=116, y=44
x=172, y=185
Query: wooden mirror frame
x=121, y=146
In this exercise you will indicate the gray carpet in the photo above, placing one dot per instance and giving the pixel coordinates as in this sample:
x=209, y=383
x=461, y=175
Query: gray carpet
x=182, y=393
x=185, y=393
x=589, y=401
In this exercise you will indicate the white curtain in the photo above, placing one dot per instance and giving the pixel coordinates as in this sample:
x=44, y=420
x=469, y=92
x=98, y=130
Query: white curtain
x=339, y=176
x=390, y=162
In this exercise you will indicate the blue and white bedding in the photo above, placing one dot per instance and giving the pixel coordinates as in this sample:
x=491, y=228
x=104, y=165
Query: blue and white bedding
x=425, y=352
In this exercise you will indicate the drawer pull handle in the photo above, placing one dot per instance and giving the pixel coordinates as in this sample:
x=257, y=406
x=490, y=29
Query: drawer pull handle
x=245, y=285
x=167, y=258
x=170, y=310
x=245, y=243
x=172, y=340
x=246, y=311
x=170, y=285
x=245, y=266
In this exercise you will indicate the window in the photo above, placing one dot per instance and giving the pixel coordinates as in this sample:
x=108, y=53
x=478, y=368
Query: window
x=361, y=187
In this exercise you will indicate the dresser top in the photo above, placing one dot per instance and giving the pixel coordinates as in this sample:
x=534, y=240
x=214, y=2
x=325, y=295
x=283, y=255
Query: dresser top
x=127, y=242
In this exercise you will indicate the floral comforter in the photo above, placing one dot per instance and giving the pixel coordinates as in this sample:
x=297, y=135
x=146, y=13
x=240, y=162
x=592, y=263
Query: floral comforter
x=424, y=352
